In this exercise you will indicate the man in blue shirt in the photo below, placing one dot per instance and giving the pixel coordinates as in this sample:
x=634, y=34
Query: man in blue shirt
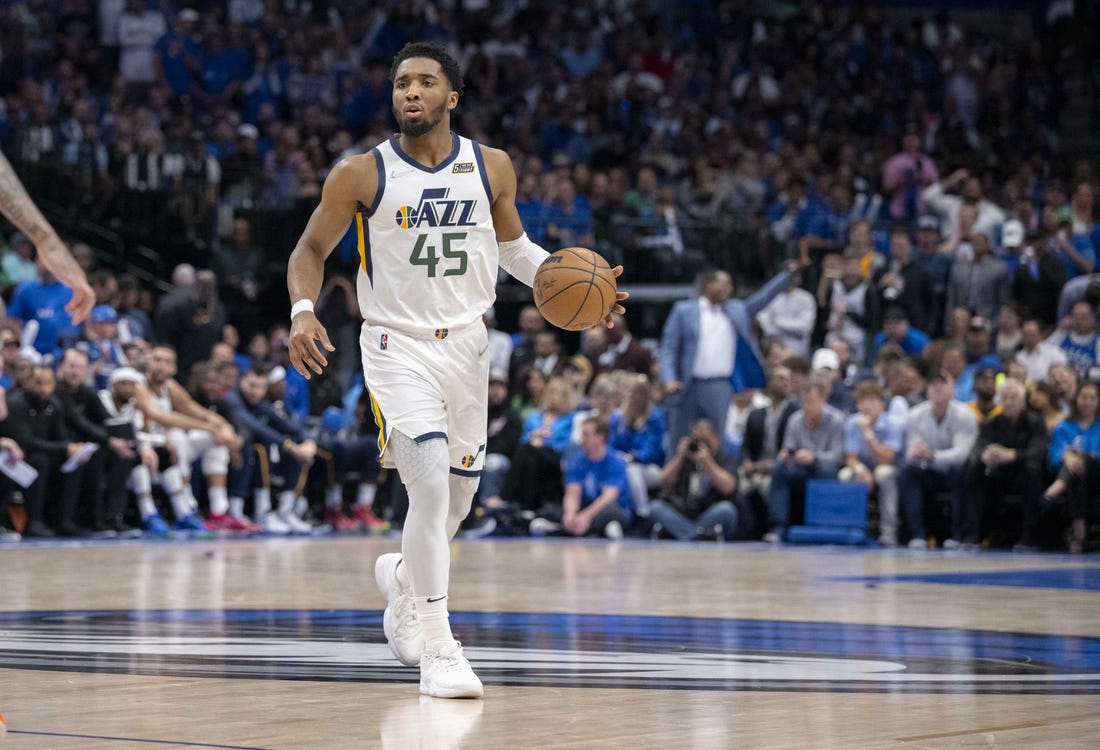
x=597, y=499
x=872, y=440
x=44, y=300
x=896, y=330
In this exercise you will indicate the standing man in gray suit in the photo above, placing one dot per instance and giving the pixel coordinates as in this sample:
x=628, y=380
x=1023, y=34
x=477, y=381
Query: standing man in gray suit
x=708, y=350
x=981, y=285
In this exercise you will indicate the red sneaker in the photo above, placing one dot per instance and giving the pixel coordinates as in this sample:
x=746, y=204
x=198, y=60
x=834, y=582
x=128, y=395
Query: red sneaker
x=339, y=522
x=229, y=522
x=368, y=520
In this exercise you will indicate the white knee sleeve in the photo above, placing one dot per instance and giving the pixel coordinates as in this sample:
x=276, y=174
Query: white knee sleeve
x=140, y=480
x=171, y=479
x=215, y=461
x=462, y=491
x=424, y=468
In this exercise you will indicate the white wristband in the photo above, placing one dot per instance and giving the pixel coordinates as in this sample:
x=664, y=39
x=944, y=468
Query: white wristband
x=301, y=306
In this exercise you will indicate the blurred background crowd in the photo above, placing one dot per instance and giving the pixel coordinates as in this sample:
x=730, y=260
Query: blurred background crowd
x=904, y=195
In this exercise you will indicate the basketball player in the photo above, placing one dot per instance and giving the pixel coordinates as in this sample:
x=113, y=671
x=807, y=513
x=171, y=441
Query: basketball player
x=435, y=215
x=193, y=432
x=20, y=210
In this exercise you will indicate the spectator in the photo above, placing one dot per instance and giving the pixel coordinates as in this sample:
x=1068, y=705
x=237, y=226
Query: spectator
x=790, y=317
x=698, y=484
x=1083, y=288
x=937, y=267
x=191, y=322
x=44, y=301
x=1074, y=448
x=133, y=323
x=531, y=323
x=1007, y=340
x=1080, y=343
x=826, y=370
x=1076, y=252
x=707, y=349
x=897, y=331
x=624, y=352
x=100, y=345
x=36, y=421
x=813, y=447
x=1007, y=458
x=947, y=206
x=872, y=440
x=534, y=479
x=985, y=406
x=637, y=432
x=597, y=498
x=981, y=284
x=1036, y=354
x=905, y=283
x=500, y=343
x=1039, y=281
x=503, y=435
x=1043, y=399
x=939, y=435
x=851, y=308
x=977, y=355
x=17, y=264
x=764, y=432
x=139, y=28
x=906, y=174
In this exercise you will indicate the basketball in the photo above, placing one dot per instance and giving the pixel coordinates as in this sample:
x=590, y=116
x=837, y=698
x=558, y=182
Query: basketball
x=574, y=288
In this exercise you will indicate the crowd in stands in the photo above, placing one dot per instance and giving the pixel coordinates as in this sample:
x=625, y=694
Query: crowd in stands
x=925, y=323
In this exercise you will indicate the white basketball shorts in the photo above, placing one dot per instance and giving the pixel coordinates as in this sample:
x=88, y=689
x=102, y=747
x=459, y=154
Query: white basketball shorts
x=431, y=388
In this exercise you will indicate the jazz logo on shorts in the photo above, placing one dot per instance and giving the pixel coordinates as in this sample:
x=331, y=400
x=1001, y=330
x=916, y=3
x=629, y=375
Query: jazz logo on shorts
x=384, y=342
x=441, y=333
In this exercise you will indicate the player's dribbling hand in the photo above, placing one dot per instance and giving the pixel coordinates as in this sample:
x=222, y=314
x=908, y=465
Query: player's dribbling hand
x=619, y=297
x=305, y=332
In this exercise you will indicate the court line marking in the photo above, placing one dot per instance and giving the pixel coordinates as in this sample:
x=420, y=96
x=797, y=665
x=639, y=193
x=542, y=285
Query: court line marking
x=1005, y=728
x=134, y=739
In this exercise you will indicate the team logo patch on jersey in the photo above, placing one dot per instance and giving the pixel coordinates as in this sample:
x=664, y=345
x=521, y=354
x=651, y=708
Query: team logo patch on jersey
x=384, y=342
x=463, y=167
x=441, y=333
x=435, y=209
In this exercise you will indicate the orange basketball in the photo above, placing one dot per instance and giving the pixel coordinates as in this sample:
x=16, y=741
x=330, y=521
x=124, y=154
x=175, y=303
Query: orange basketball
x=574, y=288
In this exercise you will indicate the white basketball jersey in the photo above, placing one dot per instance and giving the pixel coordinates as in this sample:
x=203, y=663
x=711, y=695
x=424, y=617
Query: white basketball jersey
x=428, y=252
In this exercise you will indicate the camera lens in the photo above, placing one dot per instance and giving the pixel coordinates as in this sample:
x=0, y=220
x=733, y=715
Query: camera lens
x=693, y=446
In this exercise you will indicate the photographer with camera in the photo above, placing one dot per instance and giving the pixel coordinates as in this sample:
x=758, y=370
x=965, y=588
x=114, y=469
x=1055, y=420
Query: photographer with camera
x=698, y=485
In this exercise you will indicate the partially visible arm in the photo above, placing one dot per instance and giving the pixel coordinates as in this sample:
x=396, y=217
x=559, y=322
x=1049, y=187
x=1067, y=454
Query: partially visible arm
x=765, y=294
x=20, y=210
x=351, y=182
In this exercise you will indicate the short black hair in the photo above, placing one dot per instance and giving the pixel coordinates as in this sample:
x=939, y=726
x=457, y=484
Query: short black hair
x=432, y=51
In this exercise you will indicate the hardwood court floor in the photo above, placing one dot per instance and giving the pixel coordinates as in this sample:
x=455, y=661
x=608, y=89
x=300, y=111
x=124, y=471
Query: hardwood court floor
x=589, y=644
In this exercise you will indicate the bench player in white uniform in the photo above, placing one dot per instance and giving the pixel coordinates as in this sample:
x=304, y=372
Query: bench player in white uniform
x=436, y=216
x=194, y=433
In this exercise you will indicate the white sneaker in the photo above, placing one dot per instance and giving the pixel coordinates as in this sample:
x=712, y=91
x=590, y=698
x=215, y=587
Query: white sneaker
x=294, y=524
x=542, y=527
x=399, y=621
x=951, y=544
x=273, y=524
x=918, y=543
x=445, y=673
x=613, y=530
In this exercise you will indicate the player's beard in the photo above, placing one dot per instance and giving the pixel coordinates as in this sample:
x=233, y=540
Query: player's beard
x=420, y=127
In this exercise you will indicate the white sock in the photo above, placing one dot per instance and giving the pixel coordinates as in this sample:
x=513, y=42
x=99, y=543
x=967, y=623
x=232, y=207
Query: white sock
x=178, y=493
x=365, y=497
x=236, y=507
x=434, y=620
x=334, y=497
x=287, y=499
x=263, y=503
x=219, y=500
x=146, y=506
